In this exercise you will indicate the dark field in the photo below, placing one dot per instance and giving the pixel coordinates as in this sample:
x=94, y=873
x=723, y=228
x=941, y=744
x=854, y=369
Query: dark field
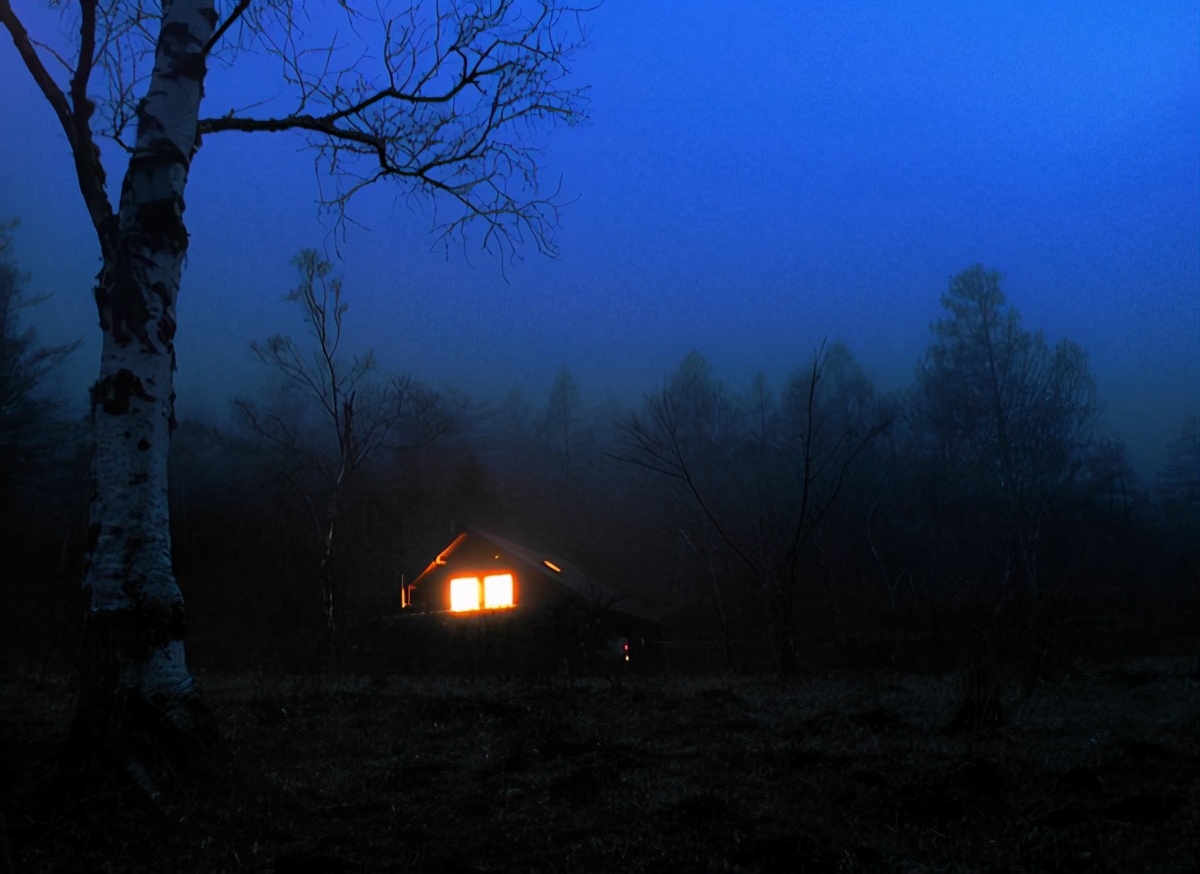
x=1098, y=770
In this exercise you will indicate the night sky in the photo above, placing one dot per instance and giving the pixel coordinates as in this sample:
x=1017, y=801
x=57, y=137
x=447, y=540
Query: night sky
x=754, y=176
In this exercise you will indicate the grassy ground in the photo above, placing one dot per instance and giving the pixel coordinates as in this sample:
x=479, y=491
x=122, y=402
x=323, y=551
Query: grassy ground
x=1098, y=770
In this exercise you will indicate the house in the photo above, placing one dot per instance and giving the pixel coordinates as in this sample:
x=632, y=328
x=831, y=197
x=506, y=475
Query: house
x=480, y=573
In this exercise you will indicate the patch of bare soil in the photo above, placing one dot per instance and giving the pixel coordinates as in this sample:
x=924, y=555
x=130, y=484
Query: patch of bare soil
x=1097, y=771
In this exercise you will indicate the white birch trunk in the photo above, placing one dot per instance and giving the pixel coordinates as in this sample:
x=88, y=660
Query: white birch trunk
x=135, y=611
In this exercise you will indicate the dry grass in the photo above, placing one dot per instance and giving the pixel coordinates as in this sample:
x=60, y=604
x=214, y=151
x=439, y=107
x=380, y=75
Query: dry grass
x=1096, y=771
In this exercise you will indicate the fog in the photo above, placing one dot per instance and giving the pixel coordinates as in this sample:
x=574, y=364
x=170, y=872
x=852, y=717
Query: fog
x=830, y=474
x=753, y=178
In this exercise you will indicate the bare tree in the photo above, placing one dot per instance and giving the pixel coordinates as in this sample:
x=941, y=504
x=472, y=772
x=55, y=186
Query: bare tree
x=442, y=99
x=360, y=414
x=1009, y=413
x=766, y=485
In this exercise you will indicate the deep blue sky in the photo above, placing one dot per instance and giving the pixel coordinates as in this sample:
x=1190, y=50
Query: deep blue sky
x=753, y=177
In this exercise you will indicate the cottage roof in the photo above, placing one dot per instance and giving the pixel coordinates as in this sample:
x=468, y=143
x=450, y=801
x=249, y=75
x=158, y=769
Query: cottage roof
x=553, y=566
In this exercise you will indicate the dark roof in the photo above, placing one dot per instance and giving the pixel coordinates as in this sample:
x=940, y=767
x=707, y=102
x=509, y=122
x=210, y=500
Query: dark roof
x=553, y=566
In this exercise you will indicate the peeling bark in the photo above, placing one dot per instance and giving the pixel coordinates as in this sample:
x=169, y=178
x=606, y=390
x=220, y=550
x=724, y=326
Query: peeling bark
x=136, y=683
x=504, y=68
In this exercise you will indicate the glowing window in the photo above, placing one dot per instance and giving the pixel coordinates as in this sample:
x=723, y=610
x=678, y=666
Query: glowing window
x=498, y=591
x=464, y=593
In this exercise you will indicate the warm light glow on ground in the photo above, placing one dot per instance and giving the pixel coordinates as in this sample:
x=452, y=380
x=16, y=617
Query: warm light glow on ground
x=498, y=591
x=548, y=563
x=464, y=593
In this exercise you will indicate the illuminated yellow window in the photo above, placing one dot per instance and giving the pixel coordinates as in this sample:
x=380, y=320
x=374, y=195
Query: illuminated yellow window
x=498, y=591
x=464, y=593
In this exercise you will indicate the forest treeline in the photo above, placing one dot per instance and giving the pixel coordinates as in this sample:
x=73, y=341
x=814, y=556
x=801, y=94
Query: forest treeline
x=982, y=509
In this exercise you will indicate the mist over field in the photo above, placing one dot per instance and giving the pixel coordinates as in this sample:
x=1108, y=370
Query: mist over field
x=663, y=436
x=750, y=181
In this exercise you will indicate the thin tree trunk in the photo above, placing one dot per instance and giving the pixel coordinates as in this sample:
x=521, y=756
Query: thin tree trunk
x=135, y=679
x=330, y=596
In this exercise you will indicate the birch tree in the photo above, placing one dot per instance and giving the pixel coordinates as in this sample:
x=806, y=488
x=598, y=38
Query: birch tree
x=440, y=99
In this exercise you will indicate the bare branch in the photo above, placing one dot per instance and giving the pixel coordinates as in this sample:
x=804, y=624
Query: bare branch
x=73, y=116
x=219, y=32
x=458, y=93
